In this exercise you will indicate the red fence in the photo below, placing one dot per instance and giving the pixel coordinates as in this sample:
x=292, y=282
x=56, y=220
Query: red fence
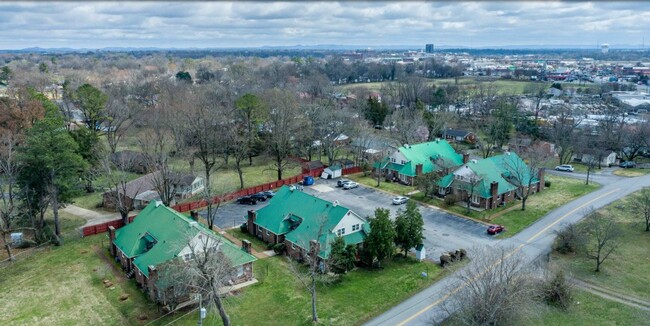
x=101, y=228
x=255, y=189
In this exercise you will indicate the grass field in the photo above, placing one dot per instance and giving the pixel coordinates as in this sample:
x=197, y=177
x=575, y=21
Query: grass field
x=626, y=270
x=635, y=172
x=504, y=86
x=589, y=309
x=64, y=286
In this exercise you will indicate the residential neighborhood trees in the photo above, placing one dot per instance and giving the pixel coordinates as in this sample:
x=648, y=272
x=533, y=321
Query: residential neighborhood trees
x=380, y=243
x=643, y=207
x=602, y=233
x=409, y=227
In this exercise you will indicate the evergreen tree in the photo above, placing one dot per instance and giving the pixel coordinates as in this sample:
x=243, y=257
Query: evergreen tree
x=409, y=227
x=375, y=111
x=50, y=165
x=342, y=256
x=380, y=241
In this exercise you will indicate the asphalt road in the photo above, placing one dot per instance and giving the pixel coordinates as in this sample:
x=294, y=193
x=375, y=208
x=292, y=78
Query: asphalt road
x=534, y=242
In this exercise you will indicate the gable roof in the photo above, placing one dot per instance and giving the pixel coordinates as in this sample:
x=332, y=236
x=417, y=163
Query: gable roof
x=494, y=169
x=299, y=216
x=423, y=153
x=455, y=133
x=140, y=185
x=159, y=233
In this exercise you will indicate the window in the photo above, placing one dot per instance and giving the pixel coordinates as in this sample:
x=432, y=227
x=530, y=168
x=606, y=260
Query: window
x=259, y=228
x=240, y=271
x=393, y=160
x=268, y=232
x=340, y=231
x=476, y=199
x=293, y=245
x=403, y=162
x=355, y=227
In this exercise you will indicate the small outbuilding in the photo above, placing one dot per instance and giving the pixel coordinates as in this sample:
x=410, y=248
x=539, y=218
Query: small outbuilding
x=332, y=172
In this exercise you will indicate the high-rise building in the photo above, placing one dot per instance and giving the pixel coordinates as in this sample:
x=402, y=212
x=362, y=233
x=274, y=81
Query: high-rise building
x=604, y=48
x=428, y=48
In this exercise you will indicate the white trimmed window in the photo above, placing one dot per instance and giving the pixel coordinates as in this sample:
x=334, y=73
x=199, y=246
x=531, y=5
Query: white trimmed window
x=355, y=227
x=476, y=199
x=293, y=245
x=240, y=271
x=340, y=231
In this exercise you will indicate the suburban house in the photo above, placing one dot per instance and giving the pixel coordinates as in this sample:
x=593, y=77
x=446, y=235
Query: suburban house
x=608, y=159
x=159, y=235
x=140, y=192
x=490, y=182
x=189, y=185
x=409, y=161
x=458, y=135
x=300, y=221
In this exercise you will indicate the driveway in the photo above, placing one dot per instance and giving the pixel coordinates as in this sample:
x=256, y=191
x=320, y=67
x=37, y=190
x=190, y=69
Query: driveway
x=443, y=231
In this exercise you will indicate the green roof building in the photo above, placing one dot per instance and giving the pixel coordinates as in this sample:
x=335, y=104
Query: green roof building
x=409, y=161
x=160, y=234
x=493, y=181
x=300, y=220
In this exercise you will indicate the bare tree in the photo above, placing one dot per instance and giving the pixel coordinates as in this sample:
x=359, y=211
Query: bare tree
x=154, y=145
x=602, y=233
x=495, y=288
x=315, y=267
x=117, y=181
x=469, y=185
x=122, y=108
x=283, y=124
x=635, y=137
x=204, y=269
x=564, y=123
x=643, y=205
x=521, y=174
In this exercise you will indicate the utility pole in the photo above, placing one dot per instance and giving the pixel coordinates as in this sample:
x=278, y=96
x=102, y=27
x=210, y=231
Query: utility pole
x=202, y=311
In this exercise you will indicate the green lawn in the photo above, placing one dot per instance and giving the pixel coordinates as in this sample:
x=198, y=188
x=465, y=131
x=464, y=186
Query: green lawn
x=361, y=294
x=63, y=286
x=635, y=172
x=626, y=270
x=589, y=309
x=562, y=191
x=391, y=187
x=257, y=244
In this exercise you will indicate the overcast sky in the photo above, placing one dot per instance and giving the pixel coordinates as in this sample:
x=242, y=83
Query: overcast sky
x=252, y=24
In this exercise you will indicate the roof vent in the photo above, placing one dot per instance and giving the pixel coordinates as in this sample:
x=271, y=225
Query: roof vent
x=194, y=224
x=474, y=161
x=336, y=203
x=407, y=146
x=158, y=203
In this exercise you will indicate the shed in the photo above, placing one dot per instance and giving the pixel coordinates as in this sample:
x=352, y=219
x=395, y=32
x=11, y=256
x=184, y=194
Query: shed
x=420, y=252
x=332, y=172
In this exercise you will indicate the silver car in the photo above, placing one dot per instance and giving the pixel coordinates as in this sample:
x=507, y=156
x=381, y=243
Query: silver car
x=400, y=200
x=350, y=185
x=564, y=167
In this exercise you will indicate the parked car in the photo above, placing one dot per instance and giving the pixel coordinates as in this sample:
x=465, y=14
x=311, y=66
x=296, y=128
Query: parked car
x=260, y=196
x=494, y=229
x=627, y=164
x=400, y=200
x=341, y=182
x=247, y=200
x=564, y=167
x=268, y=193
x=350, y=185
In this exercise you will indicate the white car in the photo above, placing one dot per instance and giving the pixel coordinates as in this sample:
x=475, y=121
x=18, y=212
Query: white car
x=400, y=200
x=350, y=185
x=564, y=167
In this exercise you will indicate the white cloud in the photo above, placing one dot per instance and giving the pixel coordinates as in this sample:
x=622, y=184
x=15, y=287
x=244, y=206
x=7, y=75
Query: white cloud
x=235, y=24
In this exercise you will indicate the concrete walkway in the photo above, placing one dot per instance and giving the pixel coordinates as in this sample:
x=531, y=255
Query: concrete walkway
x=91, y=217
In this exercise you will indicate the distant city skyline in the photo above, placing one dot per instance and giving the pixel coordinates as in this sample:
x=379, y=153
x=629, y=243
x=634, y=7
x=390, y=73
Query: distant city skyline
x=371, y=24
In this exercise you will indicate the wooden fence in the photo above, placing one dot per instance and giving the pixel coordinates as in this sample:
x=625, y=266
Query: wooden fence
x=103, y=227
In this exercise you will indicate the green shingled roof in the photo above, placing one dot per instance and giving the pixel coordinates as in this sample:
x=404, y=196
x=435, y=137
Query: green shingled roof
x=425, y=153
x=299, y=217
x=166, y=232
x=495, y=168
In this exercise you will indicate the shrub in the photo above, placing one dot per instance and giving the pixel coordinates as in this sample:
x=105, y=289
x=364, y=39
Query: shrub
x=570, y=239
x=547, y=184
x=279, y=248
x=450, y=200
x=557, y=292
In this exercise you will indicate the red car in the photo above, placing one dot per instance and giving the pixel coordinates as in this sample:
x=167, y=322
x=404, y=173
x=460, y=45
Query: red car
x=494, y=229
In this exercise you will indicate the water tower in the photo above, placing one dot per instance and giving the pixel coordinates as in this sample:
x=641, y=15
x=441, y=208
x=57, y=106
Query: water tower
x=604, y=48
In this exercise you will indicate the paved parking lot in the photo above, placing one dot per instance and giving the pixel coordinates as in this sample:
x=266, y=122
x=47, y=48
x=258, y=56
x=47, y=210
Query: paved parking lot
x=443, y=231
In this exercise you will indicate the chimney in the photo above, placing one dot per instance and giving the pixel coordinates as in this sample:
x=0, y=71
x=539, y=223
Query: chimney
x=418, y=169
x=314, y=247
x=151, y=282
x=246, y=246
x=250, y=223
x=194, y=215
x=494, y=192
x=111, y=236
x=540, y=177
x=465, y=158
